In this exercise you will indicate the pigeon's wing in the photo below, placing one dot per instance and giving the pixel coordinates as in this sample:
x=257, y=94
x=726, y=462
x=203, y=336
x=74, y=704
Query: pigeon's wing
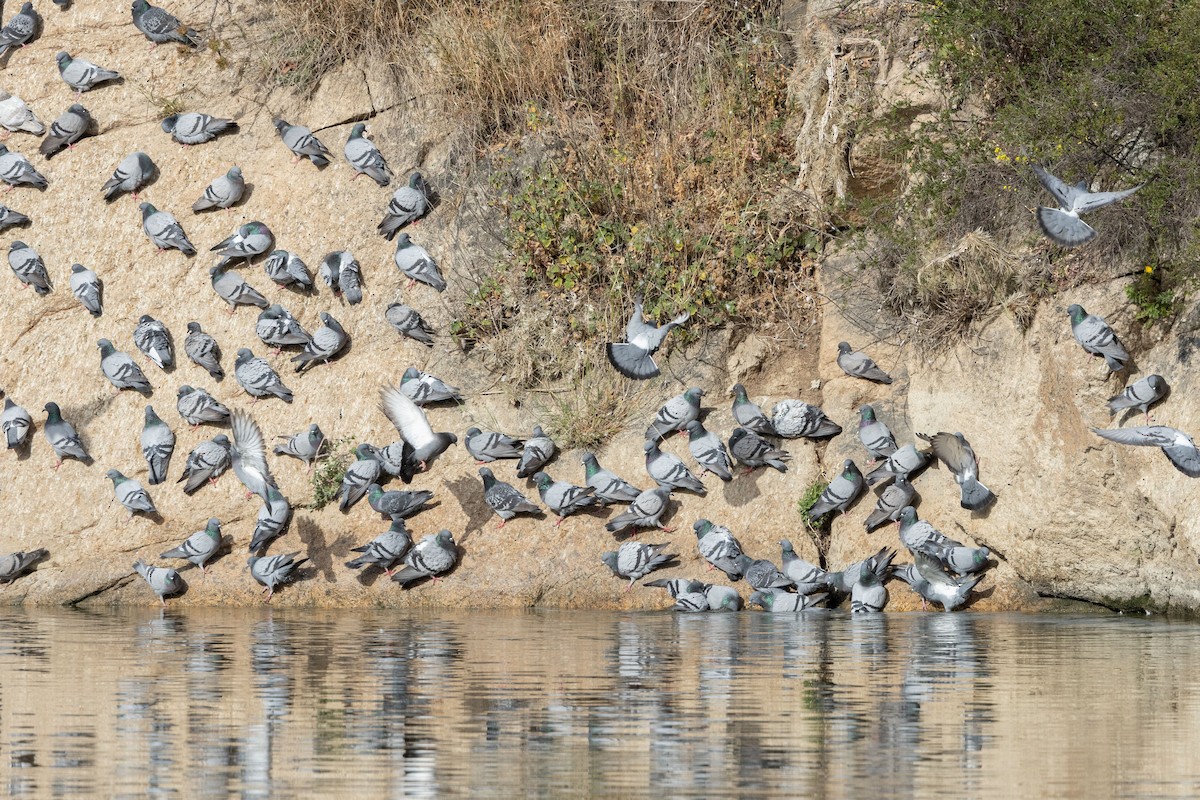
x=1145, y=436
x=1063, y=228
x=249, y=455
x=632, y=361
x=931, y=569
x=1093, y=200
x=953, y=453
x=1065, y=194
x=408, y=418
x=1185, y=458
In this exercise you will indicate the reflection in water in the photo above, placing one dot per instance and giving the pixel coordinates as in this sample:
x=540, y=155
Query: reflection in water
x=504, y=704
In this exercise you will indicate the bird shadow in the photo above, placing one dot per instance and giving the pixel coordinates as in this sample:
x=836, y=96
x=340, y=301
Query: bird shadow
x=370, y=574
x=468, y=492
x=320, y=552
x=744, y=489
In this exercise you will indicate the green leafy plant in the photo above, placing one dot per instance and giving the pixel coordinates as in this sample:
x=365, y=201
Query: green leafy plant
x=1154, y=303
x=809, y=499
x=326, y=478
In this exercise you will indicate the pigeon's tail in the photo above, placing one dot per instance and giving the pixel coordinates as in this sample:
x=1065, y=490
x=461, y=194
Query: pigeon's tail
x=1114, y=364
x=112, y=188
x=878, y=517
x=877, y=375
x=319, y=160
x=407, y=575
x=622, y=521
x=827, y=428
x=15, y=218
x=729, y=566
x=178, y=552
x=13, y=437
x=1064, y=229
x=632, y=361
x=777, y=464
x=361, y=561
x=880, y=475
x=976, y=496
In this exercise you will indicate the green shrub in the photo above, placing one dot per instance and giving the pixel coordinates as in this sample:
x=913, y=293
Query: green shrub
x=326, y=478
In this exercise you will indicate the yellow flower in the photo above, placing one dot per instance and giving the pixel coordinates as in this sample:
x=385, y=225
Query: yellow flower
x=1149, y=270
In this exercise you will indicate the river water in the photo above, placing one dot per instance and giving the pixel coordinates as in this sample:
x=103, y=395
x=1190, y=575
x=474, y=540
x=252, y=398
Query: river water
x=292, y=703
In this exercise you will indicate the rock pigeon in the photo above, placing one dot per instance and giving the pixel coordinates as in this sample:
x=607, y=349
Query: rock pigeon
x=1062, y=224
x=840, y=492
x=249, y=240
x=1140, y=395
x=960, y=559
x=955, y=452
x=19, y=29
x=160, y=27
x=919, y=536
x=87, y=289
x=121, y=370
x=843, y=582
x=287, y=269
x=223, y=192
x=761, y=573
x=397, y=504
x=722, y=598
x=163, y=580
x=15, y=422
x=932, y=583
x=751, y=451
x=10, y=218
x=408, y=322
x=343, y=274
x=207, y=462
x=432, y=556
x=504, y=498
x=248, y=455
x=669, y=471
x=305, y=445
x=66, y=130
x=486, y=446
x=562, y=497
x=415, y=262
x=200, y=546
x=1176, y=445
x=777, y=601
x=158, y=443
x=644, y=512
x=29, y=268
x=274, y=571
x=164, y=231
x=690, y=596
x=1095, y=335
x=130, y=494
x=874, y=435
x=609, y=487
x=539, y=449
x=15, y=170
x=195, y=128
x=359, y=476
x=709, y=451
x=385, y=550
x=133, y=173
x=795, y=418
x=272, y=520
x=408, y=204
x=897, y=495
x=423, y=388
x=906, y=461
x=153, y=339
x=396, y=460
x=14, y=565
x=197, y=406
x=806, y=576
x=81, y=74
x=365, y=157
x=633, y=358
x=233, y=289
x=719, y=547
x=278, y=328
x=634, y=560
x=748, y=415
x=203, y=350
x=257, y=378
x=63, y=438
x=868, y=595
x=327, y=341
x=859, y=365
x=676, y=413
x=414, y=426
x=303, y=144
x=16, y=116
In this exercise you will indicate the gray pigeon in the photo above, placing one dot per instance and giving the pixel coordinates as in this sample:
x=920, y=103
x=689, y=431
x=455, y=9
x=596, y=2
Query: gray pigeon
x=795, y=418
x=203, y=350
x=408, y=204
x=669, y=471
x=751, y=450
x=433, y=555
x=761, y=573
x=164, y=231
x=868, y=595
x=894, y=498
x=932, y=583
x=562, y=497
x=16, y=116
x=486, y=446
x=919, y=536
x=66, y=130
x=194, y=128
x=29, y=268
x=874, y=435
x=248, y=455
x=1176, y=445
x=359, y=476
x=634, y=560
x=10, y=218
x=675, y=414
x=365, y=157
x=644, y=512
x=843, y=582
x=223, y=192
x=121, y=370
x=303, y=144
x=748, y=415
x=200, y=546
x=133, y=173
x=423, y=388
x=396, y=459
x=840, y=492
x=15, y=170
x=158, y=443
x=906, y=461
x=305, y=445
x=14, y=565
x=504, y=498
x=414, y=427
x=272, y=520
x=1095, y=335
x=397, y=505
x=342, y=273
x=953, y=450
x=1140, y=395
x=1062, y=224
x=207, y=462
x=273, y=571
x=19, y=29
x=163, y=580
x=722, y=598
x=87, y=289
x=130, y=494
x=327, y=341
x=287, y=268
x=15, y=422
x=63, y=438
x=197, y=406
x=278, y=328
x=719, y=547
x=257, y=378
x=385, y=550
x=633, y=357
x=415, y=262
x=153, y=339
x=806, y=576
x=408, y=322
x=778, y=601
x=610, y=488
x=689, y=595
x=859, y=365
x=961, y=559
x=81, y=74
x=160, y=27
x=709, y=451
x=539, y=449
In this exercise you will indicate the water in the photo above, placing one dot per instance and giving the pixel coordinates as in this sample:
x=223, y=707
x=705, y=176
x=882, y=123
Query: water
x=508, y=704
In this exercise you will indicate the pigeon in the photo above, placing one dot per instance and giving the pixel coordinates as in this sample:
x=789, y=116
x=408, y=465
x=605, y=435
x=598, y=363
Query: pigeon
x=609, y=487
x=87, y=289
x=1176, y=445
x=10, y=218
x=15, y=422
x=955, y=452
x=1140, y=395
x=20, y=28
x=363, y=473
x=840, y=493
x=158, y=443
x=690, y=596
x=286, y=269
x=486, y=446
x=81, y=74
x=197, y=406
x=203, y=350
x=932, y=583
x=343, y=274
x=249, y=240
x=408, y=322
x=919, y=536
x=843, y=582
x=194, y=128
x=396, y=460
x=722, y=598
x=906, y=461
x=413, y=425
x=280, y=329
x=1062, y=224
x=761, y=573
x=305, y=445
x=795, y=418
x=365, y=157
x=385, y=550
x=777, y=601
x=16, y=116
x=868, y=595
x=859, y=365
x=65, y=131
x=432, y=556
x=408, y=204
x=160, y=27
x=272, y=520
x=29, y=268
x=163, y=580
x=709, y=451
x=959, y=558
x=564, y=498
x=751, y=451
x=1095, y=335
x=633, y=357
x=675, y=414
x=153, y=339
x=539, y=449
x=422, y=388
x=130, y=494
x=397, y=505
x=207, y=462
x=748, y=415
x=15, y=170
x=223, y=192
x=257, y=378
x=504, y=498
x=249, y=455
x=415, y=262
x=719, y=547
x=669, y=471
x=644, y=512
x=327, y=341
x=896, y=496
x=62, y=437
x=303, y=144
x=131, y=175
x=14, y=565
x=164, y=231
x=273, y=571
x=200, y=546
x=121, y=370
x=874, y=435
x=634, y=560
x=807, y=577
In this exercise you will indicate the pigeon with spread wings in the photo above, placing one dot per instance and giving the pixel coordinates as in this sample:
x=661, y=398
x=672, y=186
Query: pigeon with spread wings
x=414, y=426
x=1176, y=445
x=632, y=357
x=1063, y=224
x=955, y=452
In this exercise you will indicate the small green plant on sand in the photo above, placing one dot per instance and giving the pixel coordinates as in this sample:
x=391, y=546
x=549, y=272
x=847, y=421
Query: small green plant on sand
x=327, y=477
x=809, y=499
x=1153, y=302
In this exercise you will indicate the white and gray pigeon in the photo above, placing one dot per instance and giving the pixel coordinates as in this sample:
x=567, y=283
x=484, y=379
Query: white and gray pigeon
x=1141, y=395
x=15, y=423
x=223, y=192
x=667, y=470
x=896, y=496
x=257, y=377
x=14, y=565
x=645, y=511
x=486, y=446
x=423, y=388
x=610, y=487
x=795, y=418
x=287, y=269
x=15, y=170
x=953, y=450
x=408, y=204
x=690, y=596
x=233, y=289
x=248, y=241
x=203, y=350
x=163, y=581
x=153, y=339
x=248, y=455
x=857, y=364
x=67, y=129
x=121, y=370
x=200, y=546
x=634, y=560
x=778, y=601
x=19, y=29
x=197, y=406
x=875, y=435
x=432, y=556
x=676, y=413
x=709, y=451
x=1062, y=224
x=868, y=595
x=208, y=461
x=274, y=571
x=327, y=341
x=63, y=437
x=1097, y=337
x=840, y=492
x=748, y=415
x=130, y=494
x=562, y=497
x=415, y=262
x=719, y=547
x=29, y=268
x=161, y=27
x=365, y=157
x=539, y=449
x=761, y=573
x=87, y=289
x=961, y=559
x=343, y=274
x=305, y=445
x=81, y=74
x=158, y=444
x=303, y=144
x=131, y=175
x=1176, y=445
x=408, y=322
x=385, y=550
x=932, y=583
x=414, y=426
x=192, y=127
x=919, y=536
x=397, y=504
x=272, y=520
x=752, y=451
x=164, y=231
x=505, y=499
x=10, y=218
x=843, y=582
x=633, y=357
x=361, y=474
x=806, y=576
x=16, y=116
x=396, y=459
x=722, y=598
x=278, y=328
x=906, y=461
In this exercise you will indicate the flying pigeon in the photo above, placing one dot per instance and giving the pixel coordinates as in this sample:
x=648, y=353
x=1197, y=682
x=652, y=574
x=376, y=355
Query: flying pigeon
x=327, y=341
x=158, y=443
x=719, y=547
x=432, y=556
x=709, y=451
x=62, y=437
x=675, y=414
x=195, y=128
x=203, y=350
x=343, y=274
x=669, y=471
x=413, y=425
x=485, y=446
x=257, y=378
x=16, y=116
x=1062, y=224
x=874, y=435
x=287, y=268
x=609, y=487
x=164, y=231
x=633, y=357
x=1140, y=395
x=539, y=449
x=248, y=455
x=1095, y=335
x=1176, y=445
x=19, y=29
x=932, y=583
x=273, y=571
x=644, y=512
x=748, y=415
x=408, y=204
x=15, y=423
x=207, y=462
x=29, y=268
x=751, y=451
x=87, y=289
x=795, y=418
x=423, y=388
x=130, y=494
x=305, y=445
x=160, y=27
x=223, y=192
x=153, y=339
x=840, y=492
x=955, y=452
x=81, y=74
x=15, y=170
x=303, y=144
x=408, y=322
x=121, y=370
x=634, y=560
x=385, y=550
x=133, y=173
x=415, y=262
x=859, y=365
x=163, y=580
x=562, y=497
x=197, y=406
x=272, y=520
x=365, y=157
x=200, y=546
